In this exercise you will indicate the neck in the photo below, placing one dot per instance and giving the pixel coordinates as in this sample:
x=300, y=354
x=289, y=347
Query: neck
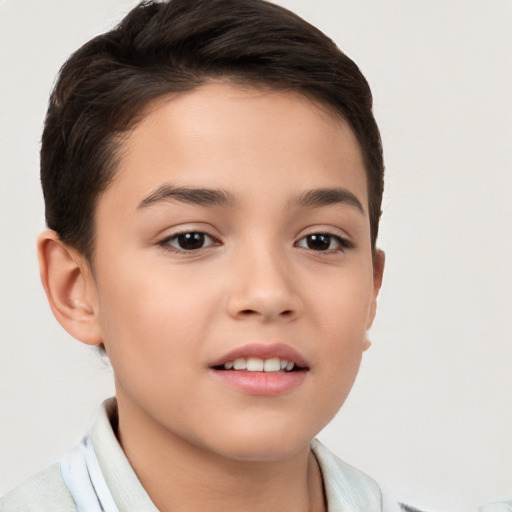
x=181, y=476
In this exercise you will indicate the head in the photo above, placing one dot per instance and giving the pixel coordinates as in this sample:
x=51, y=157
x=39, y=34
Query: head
x=213, y=177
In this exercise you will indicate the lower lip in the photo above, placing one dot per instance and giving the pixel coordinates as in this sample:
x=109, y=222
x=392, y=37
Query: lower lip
x=261, y=383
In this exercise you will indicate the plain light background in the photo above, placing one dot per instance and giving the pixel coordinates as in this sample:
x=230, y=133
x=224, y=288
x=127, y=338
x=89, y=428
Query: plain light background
x=430, y=416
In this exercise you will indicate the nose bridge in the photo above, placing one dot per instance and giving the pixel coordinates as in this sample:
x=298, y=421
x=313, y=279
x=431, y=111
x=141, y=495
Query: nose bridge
x=263, y=282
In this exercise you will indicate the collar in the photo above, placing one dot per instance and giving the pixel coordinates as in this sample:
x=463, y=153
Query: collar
x=347, y=489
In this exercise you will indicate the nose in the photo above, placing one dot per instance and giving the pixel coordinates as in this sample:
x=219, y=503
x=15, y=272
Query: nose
x=264, y=288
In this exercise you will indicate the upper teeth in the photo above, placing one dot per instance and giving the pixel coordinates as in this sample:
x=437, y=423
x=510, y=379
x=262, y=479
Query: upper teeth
x=255, y=364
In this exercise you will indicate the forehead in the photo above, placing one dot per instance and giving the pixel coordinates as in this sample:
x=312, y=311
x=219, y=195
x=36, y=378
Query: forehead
x=236, y=137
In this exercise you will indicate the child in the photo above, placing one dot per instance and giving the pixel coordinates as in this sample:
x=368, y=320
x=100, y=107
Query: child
x=213, y=176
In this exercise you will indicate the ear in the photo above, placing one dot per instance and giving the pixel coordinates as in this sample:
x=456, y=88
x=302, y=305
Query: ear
x=379, y=259
x=367, y=342
x=69, y=287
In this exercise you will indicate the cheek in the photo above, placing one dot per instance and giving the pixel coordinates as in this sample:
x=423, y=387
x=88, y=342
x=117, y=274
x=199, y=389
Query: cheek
x=149, y=317
x=342, y=307
x=342, y=315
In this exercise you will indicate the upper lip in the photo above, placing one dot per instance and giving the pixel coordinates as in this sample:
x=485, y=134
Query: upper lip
x=263, y=351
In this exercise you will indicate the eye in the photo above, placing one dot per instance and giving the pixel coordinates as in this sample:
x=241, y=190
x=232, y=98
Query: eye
x=324, y=242
x=187, y=242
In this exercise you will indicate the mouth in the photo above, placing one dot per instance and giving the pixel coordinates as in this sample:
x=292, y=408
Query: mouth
x=263, y=370
x=256, y=364
x=261, y=357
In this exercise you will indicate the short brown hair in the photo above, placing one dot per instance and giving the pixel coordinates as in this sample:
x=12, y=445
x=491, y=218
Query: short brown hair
x=168, y=47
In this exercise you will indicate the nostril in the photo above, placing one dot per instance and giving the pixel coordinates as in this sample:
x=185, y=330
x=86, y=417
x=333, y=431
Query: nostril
x=251, y=312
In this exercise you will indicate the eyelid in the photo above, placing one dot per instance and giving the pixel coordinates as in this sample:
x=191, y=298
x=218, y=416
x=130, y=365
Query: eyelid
x=180, y=228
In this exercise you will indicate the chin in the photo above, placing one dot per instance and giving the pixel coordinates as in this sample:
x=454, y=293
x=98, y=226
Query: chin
x=263, y=443
x=265, y=453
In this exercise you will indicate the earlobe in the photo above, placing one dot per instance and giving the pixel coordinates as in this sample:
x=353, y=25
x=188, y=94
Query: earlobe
x=66, y=279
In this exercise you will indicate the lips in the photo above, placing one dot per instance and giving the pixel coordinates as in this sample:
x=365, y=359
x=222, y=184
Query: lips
x=261, y=370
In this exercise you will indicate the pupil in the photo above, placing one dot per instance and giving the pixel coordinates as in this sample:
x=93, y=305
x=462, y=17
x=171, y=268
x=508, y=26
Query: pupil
x=191, y=241
x=319, y=242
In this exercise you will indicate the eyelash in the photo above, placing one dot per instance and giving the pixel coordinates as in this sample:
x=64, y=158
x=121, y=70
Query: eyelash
x=166, y=242
x=342, y=243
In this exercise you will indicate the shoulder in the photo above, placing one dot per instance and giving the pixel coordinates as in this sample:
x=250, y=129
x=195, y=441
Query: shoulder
x=43, y=492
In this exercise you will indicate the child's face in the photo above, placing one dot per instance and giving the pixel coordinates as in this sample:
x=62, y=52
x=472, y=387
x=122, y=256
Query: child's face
x=264, y=271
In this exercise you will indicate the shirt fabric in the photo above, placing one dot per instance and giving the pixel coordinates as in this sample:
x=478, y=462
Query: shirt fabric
x=96, y=476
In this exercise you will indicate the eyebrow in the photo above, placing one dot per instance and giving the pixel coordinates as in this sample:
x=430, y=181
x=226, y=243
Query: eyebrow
x=196, y=196
x=315, y=198
x=319, y=197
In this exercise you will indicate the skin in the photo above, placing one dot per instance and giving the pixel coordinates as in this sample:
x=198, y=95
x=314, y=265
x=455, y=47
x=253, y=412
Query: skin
x=165, y=314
